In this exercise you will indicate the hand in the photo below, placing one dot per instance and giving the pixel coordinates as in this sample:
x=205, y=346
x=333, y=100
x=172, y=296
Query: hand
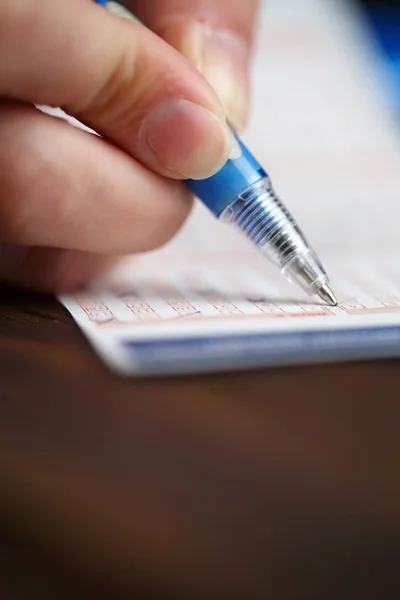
x=70, y=199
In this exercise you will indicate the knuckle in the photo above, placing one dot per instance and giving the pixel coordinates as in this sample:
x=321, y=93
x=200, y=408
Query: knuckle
x=111, y=100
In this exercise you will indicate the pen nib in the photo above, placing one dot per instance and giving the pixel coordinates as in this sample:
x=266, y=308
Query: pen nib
x=326, y=294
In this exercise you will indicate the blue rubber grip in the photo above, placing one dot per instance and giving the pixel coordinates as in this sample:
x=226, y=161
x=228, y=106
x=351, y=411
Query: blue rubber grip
x=220, y=190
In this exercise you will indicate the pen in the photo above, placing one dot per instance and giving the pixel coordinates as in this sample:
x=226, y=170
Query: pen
x=241, y=195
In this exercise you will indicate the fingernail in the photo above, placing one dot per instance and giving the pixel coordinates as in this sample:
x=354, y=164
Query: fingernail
x=224, y=65
x=117, y=9
x=236, y=151
x=187, y=140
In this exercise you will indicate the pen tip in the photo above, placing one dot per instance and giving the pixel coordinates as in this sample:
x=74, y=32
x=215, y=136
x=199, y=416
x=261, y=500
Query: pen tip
x=326, y=294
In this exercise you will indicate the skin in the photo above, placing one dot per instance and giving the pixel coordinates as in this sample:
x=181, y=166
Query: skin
x=70, y=201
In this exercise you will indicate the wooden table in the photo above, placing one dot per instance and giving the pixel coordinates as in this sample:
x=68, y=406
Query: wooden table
x=281, y=484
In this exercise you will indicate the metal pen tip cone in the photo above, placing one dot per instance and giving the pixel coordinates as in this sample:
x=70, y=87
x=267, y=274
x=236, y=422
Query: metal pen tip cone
x=326, y=294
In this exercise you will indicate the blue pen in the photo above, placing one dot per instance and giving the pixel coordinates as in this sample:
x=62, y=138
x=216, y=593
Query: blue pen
x=241, y=195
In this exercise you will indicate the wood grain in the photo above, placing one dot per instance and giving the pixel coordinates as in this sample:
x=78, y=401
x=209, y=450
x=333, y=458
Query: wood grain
x=280, y=483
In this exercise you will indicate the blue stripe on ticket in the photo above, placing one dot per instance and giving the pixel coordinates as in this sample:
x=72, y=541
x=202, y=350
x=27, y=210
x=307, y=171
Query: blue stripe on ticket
x=243, y=351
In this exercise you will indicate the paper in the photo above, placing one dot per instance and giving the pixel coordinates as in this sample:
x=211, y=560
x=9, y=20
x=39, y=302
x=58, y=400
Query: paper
x=324, y=131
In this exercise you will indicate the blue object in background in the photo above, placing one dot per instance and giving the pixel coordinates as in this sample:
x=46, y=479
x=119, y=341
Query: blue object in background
x=384, y=17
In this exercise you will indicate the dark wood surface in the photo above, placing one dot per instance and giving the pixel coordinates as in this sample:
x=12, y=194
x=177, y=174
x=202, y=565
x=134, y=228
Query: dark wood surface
x=281, y=484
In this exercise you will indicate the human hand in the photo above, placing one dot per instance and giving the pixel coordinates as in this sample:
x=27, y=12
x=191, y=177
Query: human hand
x=70, y=199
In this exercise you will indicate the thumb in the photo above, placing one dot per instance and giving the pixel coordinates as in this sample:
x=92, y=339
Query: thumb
x=118, y=78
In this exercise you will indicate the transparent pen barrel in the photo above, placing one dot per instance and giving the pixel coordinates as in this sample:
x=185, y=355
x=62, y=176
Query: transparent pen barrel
x=262, y=218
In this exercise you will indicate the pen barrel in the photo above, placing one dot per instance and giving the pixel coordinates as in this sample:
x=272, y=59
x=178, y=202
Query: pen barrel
x=264, y=220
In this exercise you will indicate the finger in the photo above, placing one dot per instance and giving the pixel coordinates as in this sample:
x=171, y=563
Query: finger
x=116, y=77
x=50, y=269
x=216, y=36
x=62, y=187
